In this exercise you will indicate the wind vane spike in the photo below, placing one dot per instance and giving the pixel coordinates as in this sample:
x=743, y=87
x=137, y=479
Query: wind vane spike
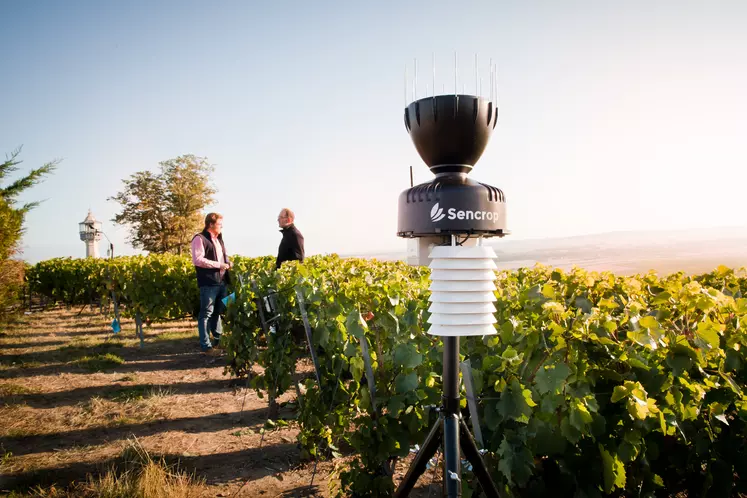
x=477, y=88
x=406, y=85
x=434, y=74
x=415, y=82
x=456, y=72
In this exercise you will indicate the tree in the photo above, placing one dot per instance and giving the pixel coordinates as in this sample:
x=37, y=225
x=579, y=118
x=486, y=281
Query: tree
x=163, y=211
x=12, y=218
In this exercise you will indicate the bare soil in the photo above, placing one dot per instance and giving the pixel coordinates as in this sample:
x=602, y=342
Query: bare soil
x=73, y=396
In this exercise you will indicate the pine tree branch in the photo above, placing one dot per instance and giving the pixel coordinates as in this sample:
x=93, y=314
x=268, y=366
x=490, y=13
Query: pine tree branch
x=10, y=192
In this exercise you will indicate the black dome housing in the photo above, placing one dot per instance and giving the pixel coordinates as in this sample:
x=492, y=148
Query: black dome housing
x=450, y=132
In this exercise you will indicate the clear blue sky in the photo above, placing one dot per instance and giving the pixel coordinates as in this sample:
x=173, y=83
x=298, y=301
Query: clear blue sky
x=613, y=115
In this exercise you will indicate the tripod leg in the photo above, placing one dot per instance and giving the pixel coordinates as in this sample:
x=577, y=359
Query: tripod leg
x=452, y=459
x=472, y=454
x=430, y=445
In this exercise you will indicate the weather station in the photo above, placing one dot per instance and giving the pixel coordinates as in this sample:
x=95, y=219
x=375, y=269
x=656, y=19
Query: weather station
x=446, y=221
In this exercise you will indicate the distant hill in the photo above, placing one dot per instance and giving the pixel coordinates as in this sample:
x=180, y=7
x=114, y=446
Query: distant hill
x=631, y=252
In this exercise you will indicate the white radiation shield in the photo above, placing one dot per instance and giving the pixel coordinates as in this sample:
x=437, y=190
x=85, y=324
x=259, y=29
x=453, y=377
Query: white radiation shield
x=462, y=285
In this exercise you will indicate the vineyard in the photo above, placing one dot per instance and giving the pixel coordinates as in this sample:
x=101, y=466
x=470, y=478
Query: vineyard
x=594, y=385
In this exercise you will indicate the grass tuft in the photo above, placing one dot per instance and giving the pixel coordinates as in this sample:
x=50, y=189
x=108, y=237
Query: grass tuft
x=138, y=393
x=15, y=390
x=174, y=335
x=100, y=362
x=6, y=457
x=139, y=476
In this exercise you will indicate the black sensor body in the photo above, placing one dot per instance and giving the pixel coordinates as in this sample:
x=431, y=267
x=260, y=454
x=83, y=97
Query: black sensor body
x=450, y=132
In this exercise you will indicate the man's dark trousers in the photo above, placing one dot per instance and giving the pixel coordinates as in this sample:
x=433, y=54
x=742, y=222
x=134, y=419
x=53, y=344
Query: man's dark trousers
x=211, y=307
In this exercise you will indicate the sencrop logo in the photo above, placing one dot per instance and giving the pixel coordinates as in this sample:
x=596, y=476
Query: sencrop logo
x=437, y=214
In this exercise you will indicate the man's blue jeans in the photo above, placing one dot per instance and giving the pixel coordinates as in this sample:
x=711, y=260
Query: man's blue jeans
x=208, y=321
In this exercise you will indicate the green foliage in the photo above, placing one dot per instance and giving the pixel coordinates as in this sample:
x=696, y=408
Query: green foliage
x=11, y=221
x=594, y=384
x=157, y=287
x=11, y=284
x=619, y=377
x=100, y=362
x=11, y=225
x=10, y=193
x=164, y=210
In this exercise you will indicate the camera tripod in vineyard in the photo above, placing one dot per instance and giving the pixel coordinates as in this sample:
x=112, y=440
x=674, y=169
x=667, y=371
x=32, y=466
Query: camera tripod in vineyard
x=446, y=221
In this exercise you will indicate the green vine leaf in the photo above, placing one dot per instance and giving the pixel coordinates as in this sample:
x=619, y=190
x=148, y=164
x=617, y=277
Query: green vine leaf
x=407, y=356
x=550, y=379
x=406, y=383
x=355, y=324
x=614, y=471
x=516, y=402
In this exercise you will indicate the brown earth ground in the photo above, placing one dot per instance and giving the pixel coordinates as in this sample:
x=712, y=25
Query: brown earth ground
x=74, y=397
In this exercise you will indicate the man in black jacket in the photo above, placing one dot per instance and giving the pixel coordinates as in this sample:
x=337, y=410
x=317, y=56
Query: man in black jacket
x=211, y=266
x=291, y=246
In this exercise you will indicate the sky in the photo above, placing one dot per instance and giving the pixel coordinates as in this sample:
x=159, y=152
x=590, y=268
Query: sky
x=612, y=115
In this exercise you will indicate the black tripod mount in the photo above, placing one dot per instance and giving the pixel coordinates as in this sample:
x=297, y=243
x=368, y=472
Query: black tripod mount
x=452, y=430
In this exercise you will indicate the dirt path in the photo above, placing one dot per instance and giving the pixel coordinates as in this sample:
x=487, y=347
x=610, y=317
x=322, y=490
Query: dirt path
x=62, y=421
x=73, y=396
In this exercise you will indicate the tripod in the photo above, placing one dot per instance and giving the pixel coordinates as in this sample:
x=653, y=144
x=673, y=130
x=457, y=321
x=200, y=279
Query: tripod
x=453, y=431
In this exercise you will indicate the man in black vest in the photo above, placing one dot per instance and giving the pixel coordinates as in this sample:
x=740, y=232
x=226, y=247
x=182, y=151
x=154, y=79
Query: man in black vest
x=211, y=265
x=291, y=245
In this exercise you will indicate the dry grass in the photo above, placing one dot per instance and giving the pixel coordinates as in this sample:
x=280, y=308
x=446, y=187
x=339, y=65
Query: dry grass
x=11, y=389
x=174, y=334
x=138, y=476
x=139, y=393
x=5, y=365
x=130, y=405
x=127, y=410
x=73, y=393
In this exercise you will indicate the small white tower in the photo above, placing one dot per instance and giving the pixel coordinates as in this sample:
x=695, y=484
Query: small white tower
x=90, y=233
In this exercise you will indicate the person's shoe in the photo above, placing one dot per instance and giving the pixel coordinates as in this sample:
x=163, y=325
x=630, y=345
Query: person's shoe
x=211, y=352
x=219, y=346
